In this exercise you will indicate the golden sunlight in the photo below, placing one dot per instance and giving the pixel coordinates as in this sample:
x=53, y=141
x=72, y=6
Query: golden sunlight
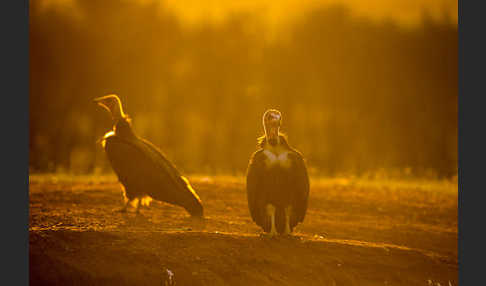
x=243, y=142
x=275, y=12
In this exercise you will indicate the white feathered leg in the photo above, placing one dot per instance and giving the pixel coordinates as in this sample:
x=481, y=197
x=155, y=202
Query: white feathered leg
x=271, y=214
x=288, y=213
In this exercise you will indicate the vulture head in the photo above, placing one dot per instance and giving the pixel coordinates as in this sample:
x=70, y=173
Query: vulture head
x=271, y=125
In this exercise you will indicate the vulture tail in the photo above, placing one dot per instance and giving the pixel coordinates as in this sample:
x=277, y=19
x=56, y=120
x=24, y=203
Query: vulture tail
x=194, y=207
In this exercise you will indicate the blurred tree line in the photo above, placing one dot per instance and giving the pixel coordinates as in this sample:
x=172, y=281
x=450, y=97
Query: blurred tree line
x=357, y=96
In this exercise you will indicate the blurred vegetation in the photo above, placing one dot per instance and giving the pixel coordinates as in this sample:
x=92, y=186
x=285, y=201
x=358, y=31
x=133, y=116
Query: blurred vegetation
x=357, y=96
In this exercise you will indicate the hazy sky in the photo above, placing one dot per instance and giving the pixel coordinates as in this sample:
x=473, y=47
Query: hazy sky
x=405, y=12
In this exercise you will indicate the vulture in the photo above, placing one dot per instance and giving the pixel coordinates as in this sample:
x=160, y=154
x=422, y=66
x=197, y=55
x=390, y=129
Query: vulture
x=143, y=171
x=277, y=181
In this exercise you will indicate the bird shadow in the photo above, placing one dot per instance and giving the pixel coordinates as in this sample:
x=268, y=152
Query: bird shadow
x=195, y=223
x=281, y=237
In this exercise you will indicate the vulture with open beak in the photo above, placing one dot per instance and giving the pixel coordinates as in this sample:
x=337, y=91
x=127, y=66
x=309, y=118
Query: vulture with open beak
x=143, y=171
x=277, y=182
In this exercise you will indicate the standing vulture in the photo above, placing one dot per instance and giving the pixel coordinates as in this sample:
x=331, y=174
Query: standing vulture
x=277, y=182
x=142, y=169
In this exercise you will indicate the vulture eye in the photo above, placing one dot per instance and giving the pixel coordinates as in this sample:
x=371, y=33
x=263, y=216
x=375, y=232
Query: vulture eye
x=273, y=117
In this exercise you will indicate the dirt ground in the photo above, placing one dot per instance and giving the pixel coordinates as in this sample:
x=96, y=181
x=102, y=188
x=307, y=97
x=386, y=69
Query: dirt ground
x=356, y=232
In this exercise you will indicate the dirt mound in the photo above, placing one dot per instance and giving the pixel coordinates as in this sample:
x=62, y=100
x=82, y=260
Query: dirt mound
x=200, y=258
x=354, y=234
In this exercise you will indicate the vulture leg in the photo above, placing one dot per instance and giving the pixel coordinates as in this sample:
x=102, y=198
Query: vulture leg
x=136, y=203
x=271, y=214
x=123, y=209
x=288, y=213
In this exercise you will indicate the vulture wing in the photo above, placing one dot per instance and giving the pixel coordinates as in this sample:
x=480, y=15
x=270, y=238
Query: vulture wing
x=300, y=186
x=254, y=187
x=158, y=157
x=143, y=169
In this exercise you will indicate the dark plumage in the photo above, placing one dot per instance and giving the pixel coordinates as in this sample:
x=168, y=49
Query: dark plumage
x=141, y=167
x=277, y=181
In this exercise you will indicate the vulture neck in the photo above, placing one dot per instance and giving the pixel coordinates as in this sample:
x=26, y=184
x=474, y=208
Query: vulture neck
x=117, y=110
x=282, y=142
x=123, y=128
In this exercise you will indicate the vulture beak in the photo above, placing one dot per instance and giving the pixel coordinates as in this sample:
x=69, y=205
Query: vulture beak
x=272, y=134
x=271, y=124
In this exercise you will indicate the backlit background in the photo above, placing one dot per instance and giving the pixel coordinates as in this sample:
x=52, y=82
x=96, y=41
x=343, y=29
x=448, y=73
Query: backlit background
x=365, y=87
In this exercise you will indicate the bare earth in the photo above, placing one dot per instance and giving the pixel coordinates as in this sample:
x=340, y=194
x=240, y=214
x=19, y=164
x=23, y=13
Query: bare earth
x=356, y=232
